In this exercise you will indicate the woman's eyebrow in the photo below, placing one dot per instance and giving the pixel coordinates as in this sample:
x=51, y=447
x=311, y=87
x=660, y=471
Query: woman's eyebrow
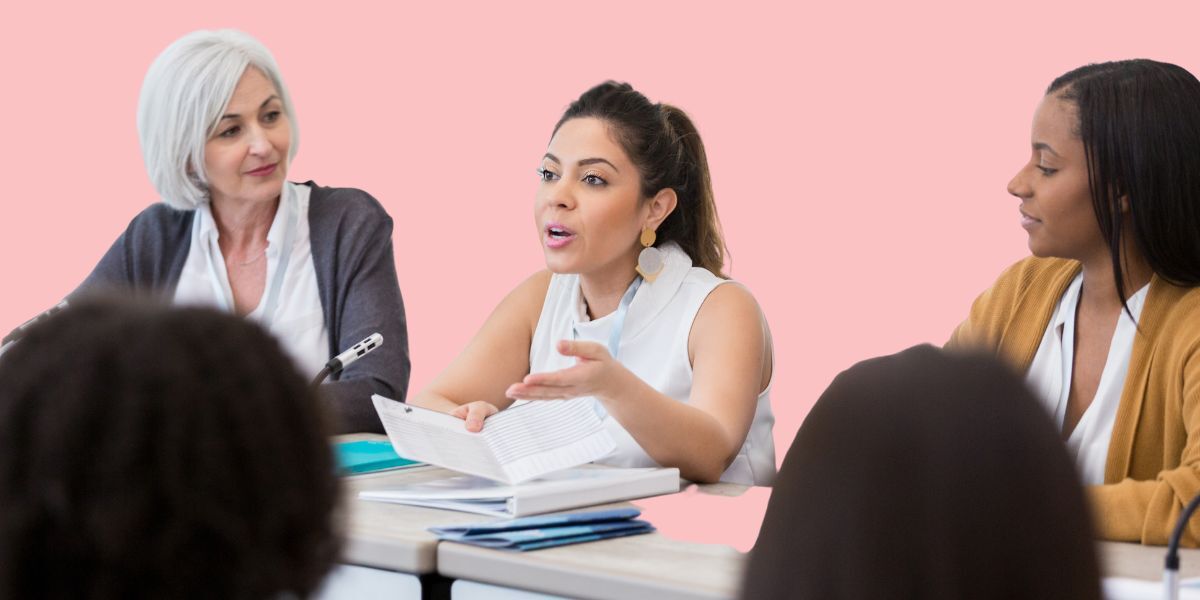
x=260, y=106
x=1046, y=147
x=594, y=161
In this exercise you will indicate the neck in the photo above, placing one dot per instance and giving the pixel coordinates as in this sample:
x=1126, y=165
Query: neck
x=1100, y=284
x=241, y=225
x=602, y=289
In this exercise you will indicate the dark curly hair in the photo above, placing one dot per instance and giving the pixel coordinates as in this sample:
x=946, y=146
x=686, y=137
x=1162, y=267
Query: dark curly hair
x=665, y=145
x=148, y=452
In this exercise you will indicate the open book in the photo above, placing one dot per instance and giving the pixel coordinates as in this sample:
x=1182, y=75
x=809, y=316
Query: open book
x=587, y=485
x=515, y=445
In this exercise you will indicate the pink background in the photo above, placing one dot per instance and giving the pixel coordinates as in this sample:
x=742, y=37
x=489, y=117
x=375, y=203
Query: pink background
x=859, y=152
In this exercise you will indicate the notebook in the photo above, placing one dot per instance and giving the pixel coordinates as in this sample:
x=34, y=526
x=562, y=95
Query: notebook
x=517, y=444
x=369, y=456
x=562, y=490
x=535, y=533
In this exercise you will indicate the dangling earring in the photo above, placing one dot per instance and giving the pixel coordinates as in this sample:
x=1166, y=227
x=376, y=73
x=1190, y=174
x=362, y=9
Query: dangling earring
x=650, y=261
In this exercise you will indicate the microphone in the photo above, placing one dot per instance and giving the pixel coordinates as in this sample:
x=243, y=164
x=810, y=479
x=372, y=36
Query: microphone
x=343, y=360
x=1171, y=570
x=20, y=332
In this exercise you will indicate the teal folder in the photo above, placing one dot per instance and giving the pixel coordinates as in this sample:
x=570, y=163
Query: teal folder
x=368, y=456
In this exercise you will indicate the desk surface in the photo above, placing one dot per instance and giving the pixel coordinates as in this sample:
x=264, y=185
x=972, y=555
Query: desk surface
x=1136, y=561
x=643, y=566
x=393, y=537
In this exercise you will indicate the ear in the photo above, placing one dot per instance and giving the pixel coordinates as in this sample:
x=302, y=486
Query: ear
x=1123, y=202
x=660, y=207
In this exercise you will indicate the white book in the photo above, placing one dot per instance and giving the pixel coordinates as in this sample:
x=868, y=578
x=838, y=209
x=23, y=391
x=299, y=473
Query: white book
x=562, y=490
x=516, y=445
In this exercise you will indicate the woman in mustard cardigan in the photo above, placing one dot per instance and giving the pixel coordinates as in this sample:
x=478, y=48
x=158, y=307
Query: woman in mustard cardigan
x=1104, y=318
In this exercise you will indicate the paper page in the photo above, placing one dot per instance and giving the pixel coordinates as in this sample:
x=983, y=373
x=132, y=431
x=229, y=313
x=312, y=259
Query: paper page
x=540, y=437
x=515, y=445
x=435, y=438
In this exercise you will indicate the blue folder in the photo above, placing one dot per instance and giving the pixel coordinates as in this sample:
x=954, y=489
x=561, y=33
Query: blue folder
x=534, y=533
x=368, y=456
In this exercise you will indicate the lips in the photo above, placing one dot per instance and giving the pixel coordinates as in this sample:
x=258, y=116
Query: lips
x=1028, y=221
x=263, y=170
x=558, y=235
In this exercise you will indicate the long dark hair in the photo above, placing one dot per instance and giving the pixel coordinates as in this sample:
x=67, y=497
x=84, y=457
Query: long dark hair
x=665, y=145
x=926, y=475
x=1140, y=125
x=148, y=452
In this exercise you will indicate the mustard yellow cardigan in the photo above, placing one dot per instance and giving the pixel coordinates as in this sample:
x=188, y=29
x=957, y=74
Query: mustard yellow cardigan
x=1153, y=465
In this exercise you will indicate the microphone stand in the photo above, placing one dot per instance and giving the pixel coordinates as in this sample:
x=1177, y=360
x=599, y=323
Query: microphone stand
x=1171, y=570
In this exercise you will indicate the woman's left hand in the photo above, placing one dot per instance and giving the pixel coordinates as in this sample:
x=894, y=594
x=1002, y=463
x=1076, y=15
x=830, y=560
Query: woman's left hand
x=595, y=373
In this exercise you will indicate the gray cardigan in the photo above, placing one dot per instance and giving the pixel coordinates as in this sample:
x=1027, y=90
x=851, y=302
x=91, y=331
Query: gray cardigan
x=351, y=236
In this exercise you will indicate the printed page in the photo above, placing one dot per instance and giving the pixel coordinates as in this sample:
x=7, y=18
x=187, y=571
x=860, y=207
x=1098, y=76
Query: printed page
x=435, y=438
x=515, y=445
x=536, y=438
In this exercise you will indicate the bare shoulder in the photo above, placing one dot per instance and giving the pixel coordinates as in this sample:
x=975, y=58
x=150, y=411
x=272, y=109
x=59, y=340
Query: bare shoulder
x=524, y=302
x=729, y=314
x=731, y=329
x=729, y=303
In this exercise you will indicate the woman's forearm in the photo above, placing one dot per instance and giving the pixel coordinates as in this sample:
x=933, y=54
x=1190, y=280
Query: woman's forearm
x=673, y=433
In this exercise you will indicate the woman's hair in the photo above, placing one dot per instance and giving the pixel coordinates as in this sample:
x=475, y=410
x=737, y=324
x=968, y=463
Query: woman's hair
x=147, y=452
x=925, y=475
x=1140, y=125
x=664, y=144
x=183, y=97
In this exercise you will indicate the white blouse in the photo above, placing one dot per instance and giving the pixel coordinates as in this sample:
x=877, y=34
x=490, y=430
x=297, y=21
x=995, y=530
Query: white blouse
x=653, y=345
x=1050, y=378
x=290, y=307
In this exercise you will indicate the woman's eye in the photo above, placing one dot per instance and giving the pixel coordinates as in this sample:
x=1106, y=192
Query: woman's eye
x=547, y=175
x=593, y=179
x=1047, y=171
x=272, y=116
x=231, y=132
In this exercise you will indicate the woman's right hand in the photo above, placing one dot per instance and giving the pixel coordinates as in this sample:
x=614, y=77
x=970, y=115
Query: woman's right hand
x=474, y=413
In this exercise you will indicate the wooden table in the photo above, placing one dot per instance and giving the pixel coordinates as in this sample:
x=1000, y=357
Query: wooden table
x=394, y=537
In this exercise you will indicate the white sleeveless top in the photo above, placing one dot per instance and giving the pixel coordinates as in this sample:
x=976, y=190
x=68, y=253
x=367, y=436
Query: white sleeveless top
x=654, y=346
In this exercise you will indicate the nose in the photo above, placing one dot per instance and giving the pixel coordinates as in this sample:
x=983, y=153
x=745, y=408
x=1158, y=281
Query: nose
x=559, y=195
x=1019, y=186
x=259, y=144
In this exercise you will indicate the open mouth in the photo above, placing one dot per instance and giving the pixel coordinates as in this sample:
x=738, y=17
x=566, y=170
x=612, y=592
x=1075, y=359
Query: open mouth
x=558, y=236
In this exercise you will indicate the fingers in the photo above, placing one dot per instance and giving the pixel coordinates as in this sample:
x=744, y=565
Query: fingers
x=583, y=350
x=524, y=391
x=566, y=377
x=474, y=413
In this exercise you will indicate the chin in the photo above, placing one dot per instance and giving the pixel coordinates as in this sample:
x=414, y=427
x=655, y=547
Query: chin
x=1041, y=250
x=559, y=266
x=267, y=191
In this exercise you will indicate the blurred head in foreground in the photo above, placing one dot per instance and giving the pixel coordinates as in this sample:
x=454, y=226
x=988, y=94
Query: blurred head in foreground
x=156, y=452
x=925, y=475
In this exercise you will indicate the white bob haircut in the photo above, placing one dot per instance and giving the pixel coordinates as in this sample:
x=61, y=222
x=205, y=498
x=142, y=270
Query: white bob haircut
x=185, y=92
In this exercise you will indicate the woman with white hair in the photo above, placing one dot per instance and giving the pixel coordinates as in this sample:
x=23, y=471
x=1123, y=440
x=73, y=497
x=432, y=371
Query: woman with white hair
x=312, y=264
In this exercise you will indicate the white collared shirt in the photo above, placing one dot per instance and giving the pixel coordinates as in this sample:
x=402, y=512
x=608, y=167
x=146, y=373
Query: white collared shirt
x=298, y=321
x=1050, y=378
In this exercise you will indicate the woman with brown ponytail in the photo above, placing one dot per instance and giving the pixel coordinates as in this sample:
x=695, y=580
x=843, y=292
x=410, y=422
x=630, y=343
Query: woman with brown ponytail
x=631, y=312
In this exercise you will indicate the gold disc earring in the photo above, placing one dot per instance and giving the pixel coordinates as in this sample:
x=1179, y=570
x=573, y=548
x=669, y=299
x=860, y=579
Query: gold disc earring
x=651, y=259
